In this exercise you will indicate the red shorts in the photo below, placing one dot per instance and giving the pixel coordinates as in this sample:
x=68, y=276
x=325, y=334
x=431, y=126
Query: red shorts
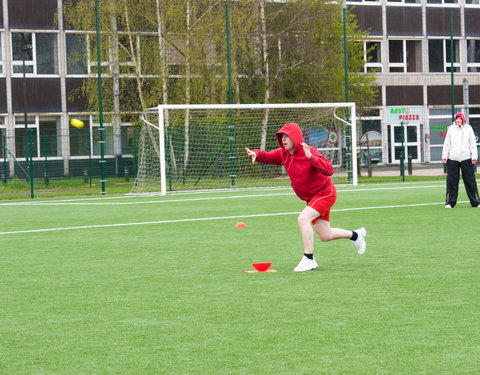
x=322, y=203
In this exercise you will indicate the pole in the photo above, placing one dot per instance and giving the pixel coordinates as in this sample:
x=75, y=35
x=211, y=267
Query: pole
x=452, y=74
x=402, y=153
x=347, y=97
x=100, y=102
x=466, y=100
x=4, y=144
x=45, y=173
x=231, y=126
x=30, y=162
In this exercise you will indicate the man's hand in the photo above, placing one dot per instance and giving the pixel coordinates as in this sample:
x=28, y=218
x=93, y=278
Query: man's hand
x=252, y=154
x=444, y=160
x=306, y=149
x=474, y=161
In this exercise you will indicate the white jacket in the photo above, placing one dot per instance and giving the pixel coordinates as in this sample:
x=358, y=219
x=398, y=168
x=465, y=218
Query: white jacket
x=460, y=143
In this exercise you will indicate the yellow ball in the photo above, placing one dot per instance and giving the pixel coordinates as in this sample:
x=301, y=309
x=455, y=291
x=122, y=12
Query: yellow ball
x=76, y=123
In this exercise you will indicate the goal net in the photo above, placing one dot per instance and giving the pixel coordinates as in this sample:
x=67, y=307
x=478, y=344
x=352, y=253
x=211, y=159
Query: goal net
x=187, y=147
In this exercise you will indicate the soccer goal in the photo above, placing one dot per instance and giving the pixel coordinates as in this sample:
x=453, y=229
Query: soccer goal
x=191, y=147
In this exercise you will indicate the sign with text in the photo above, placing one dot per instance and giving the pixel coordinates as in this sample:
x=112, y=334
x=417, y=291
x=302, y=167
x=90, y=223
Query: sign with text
x=410, y=115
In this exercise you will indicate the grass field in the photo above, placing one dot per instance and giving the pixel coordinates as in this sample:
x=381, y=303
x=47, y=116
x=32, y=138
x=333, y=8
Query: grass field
x=156, y=285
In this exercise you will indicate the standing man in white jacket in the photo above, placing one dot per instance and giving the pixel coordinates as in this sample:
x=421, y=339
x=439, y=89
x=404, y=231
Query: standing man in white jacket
x=460, y=153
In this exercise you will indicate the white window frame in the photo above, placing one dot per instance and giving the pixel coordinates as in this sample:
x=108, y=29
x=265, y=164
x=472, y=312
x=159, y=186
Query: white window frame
x=34, y=125
x=32, y=62
x=472, y=64
x=446, y=64
x=402, y=64
x=373, y=65
x=2, y=54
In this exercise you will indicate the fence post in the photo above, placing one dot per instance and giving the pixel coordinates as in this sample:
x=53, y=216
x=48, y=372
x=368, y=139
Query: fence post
x=410, y=168
x=45, y=173
x=30, y=162
x=4, y=145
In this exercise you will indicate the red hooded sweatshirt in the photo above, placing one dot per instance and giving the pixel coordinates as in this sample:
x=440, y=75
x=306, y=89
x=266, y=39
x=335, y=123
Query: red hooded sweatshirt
x=308, y=177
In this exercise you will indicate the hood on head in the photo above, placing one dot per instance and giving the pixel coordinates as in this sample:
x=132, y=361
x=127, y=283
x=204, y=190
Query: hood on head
x=461, y=115
x=293, y=131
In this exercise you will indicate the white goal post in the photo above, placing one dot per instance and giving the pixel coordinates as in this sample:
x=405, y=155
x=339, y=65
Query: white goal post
x=200, y=146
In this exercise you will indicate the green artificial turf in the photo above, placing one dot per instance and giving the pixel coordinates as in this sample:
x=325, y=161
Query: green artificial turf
x=166, y=292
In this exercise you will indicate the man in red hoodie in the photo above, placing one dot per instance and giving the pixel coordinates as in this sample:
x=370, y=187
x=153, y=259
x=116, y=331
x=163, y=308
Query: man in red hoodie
x=309, y=174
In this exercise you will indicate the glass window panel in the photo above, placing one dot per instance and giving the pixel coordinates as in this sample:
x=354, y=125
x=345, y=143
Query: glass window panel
x=448, y=51
x=46, y=48
x=412, y=134
x=80, y=139
x=374, y=52
x=412, y=151
x=19, y=40
x=395, y=51
x=19, y=69
x=435, y=56
x=108, y=138
x=438, y=130
x=22, y=139
x=76, y=54
x=398, y=134
x=20, y=120
x=473, y=51
x=3, y=134
x=398, y=152
x=50, y=139
x=127, y=134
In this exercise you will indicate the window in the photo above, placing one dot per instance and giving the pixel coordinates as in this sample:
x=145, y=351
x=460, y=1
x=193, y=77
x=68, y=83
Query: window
x=50, y=136
x=371, y=140
x=405, y=56
x=85, y=141
x=373, y=56
x=472, y=2
x=128, y=139
x=80, y=138
x=82, y=54
x=76, y=54
x=473, y=55
x=405, y=1
x=127, y=66
x=442, y=1
x=25, y=135
x=438, y=122
x=1, y=54
x=92, y=54
x=108, y=138
x=42, y=132
x=439, y=55
x=3, y=135
x=38, y=51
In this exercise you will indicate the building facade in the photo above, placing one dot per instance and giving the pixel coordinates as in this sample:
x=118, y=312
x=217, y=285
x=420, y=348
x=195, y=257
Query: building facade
x=409, y=48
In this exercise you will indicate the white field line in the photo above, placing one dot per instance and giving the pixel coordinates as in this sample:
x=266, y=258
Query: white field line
x=84, y=202
x=208, y=218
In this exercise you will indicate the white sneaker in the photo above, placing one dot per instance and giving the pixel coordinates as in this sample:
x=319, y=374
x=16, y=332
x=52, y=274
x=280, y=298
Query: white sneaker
x=448, y=206
x=306, y=265
x=360, y=242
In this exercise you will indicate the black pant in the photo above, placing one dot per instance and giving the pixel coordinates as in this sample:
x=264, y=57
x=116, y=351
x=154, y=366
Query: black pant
x=468, y=176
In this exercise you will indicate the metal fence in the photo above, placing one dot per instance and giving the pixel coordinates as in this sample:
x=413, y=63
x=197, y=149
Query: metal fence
x=29, y=155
